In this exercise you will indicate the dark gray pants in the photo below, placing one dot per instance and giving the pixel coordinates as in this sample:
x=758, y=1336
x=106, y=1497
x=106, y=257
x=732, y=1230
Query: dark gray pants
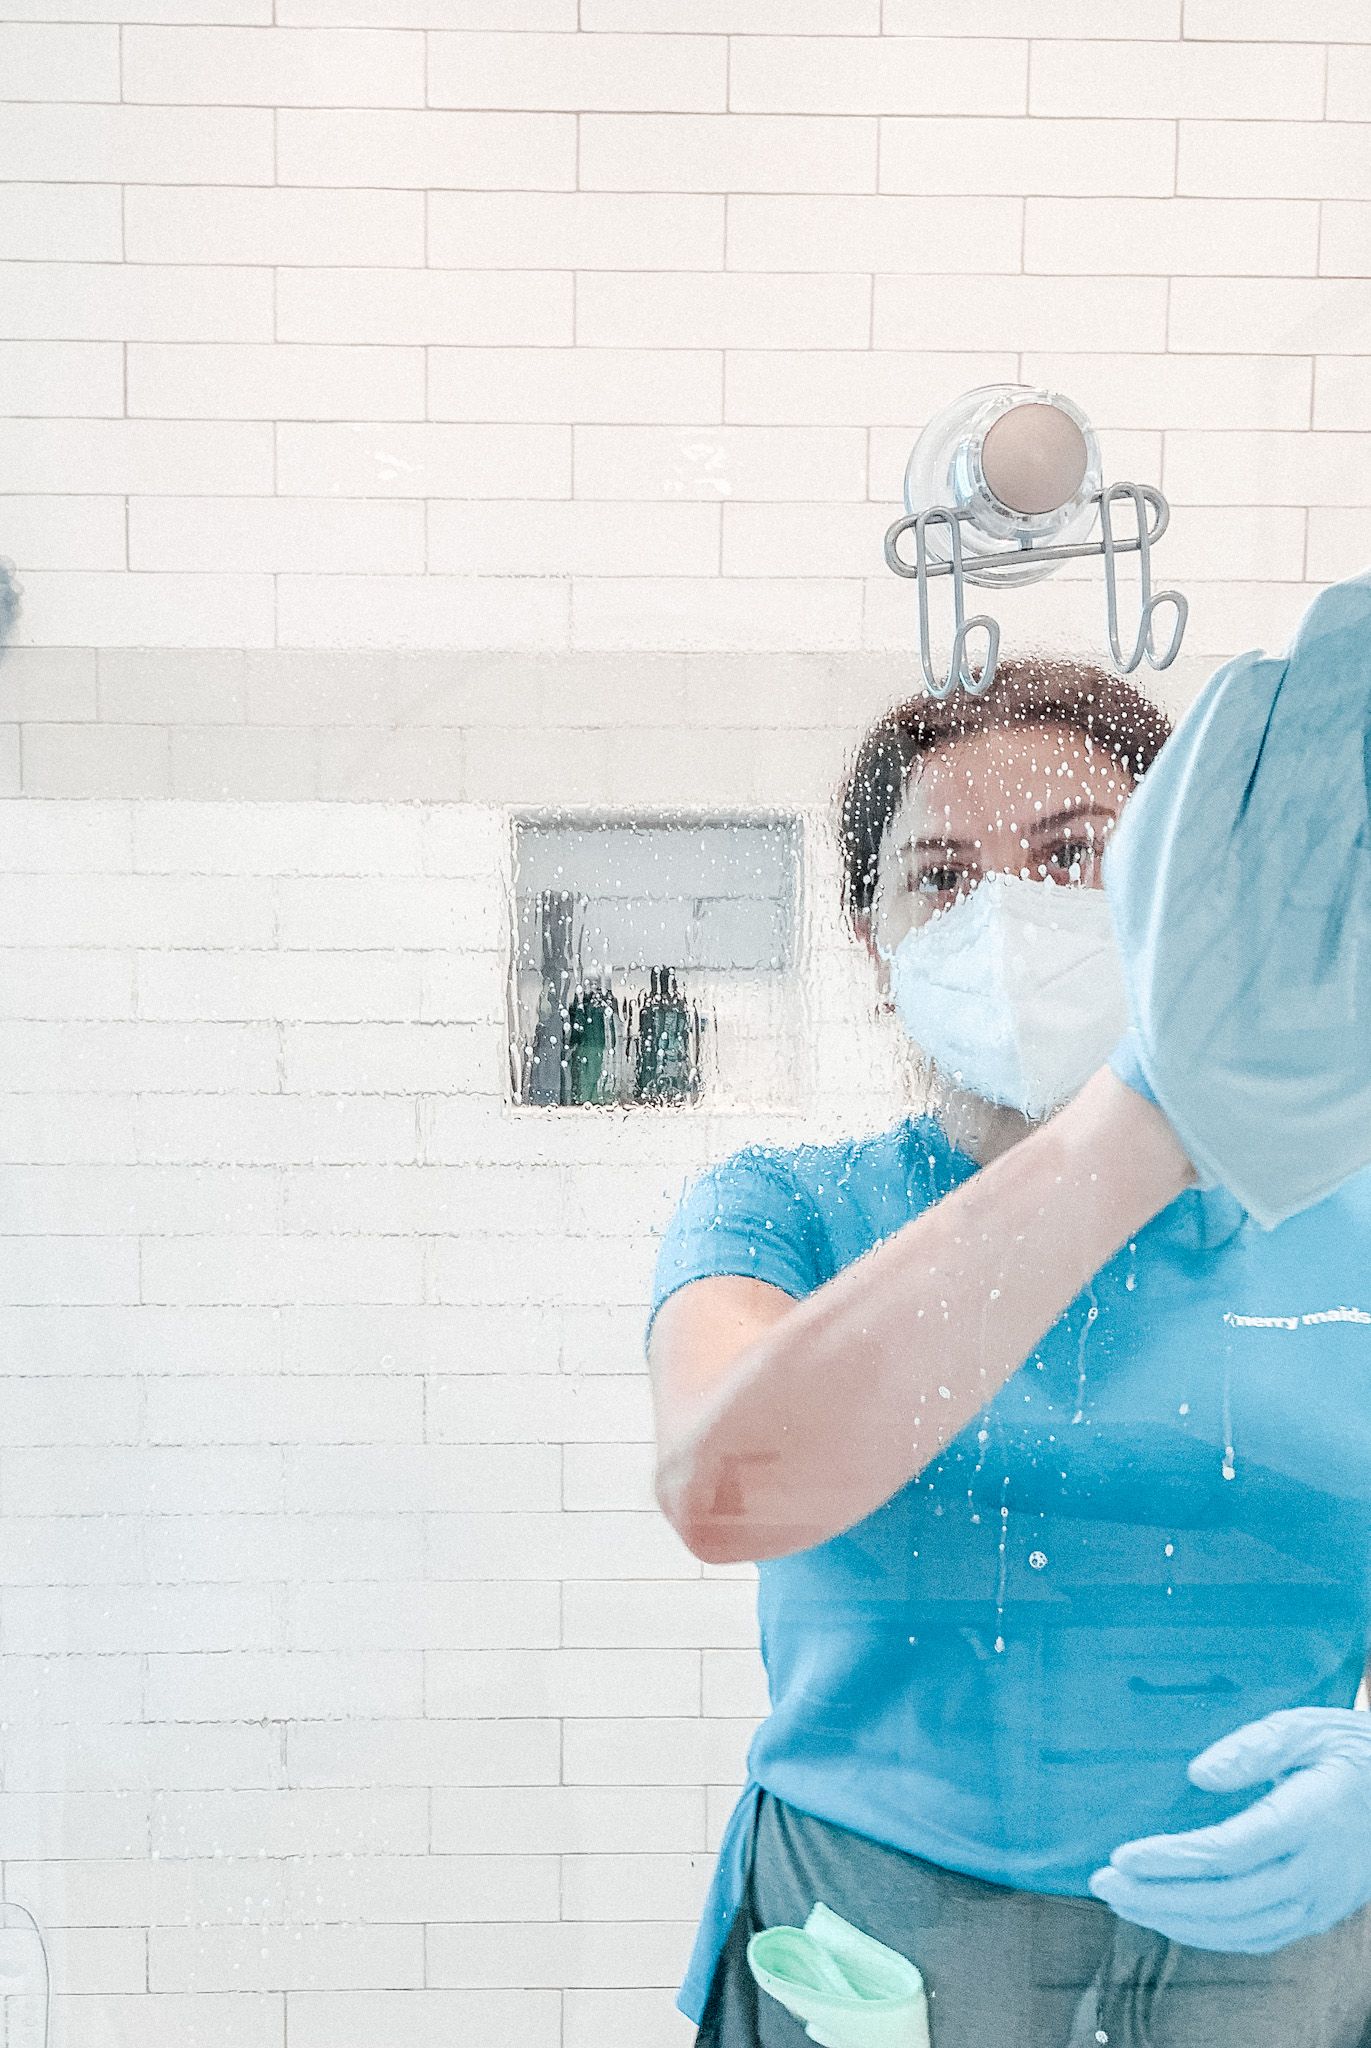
x=1009, y=1969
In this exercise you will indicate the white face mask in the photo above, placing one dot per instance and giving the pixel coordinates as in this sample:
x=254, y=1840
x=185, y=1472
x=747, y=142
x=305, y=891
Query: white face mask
x=1015, y=992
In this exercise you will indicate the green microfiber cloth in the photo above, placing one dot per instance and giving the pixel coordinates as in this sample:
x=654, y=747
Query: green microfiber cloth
x=850, y=1990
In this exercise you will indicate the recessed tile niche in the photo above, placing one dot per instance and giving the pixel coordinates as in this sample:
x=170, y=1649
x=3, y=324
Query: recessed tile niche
x=650, y=959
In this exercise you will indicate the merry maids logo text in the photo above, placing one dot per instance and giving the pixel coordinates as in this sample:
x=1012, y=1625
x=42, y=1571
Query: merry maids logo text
x=1321, y=1315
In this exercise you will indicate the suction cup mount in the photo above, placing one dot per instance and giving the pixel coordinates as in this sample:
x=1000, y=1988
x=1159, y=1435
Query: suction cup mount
x=1002, y=487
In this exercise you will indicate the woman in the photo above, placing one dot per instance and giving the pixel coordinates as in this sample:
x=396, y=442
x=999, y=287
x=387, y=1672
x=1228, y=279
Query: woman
x=1054, y=1465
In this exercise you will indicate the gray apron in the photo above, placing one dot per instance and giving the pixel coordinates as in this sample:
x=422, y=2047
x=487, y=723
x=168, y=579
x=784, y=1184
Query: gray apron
x=1016, y=1969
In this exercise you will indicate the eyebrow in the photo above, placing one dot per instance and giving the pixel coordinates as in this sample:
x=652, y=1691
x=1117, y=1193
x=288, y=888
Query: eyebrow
x=1070, y=814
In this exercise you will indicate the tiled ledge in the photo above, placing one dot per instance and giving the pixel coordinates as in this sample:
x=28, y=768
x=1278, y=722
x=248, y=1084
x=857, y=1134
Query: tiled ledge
x=486, y=728
x=504, y=727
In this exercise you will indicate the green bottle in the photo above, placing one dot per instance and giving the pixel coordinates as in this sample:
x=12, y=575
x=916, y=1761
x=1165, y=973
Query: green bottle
x=668, y=1067
x=590, y=1042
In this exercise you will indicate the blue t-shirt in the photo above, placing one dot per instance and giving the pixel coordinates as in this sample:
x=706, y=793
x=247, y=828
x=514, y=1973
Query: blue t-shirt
x=1157, y=1530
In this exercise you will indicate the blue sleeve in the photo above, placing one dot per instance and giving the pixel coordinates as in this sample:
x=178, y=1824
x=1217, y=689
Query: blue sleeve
x=750, y=1216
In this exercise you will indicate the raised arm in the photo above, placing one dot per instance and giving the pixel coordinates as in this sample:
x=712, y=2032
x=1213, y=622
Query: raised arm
x=781, y=1422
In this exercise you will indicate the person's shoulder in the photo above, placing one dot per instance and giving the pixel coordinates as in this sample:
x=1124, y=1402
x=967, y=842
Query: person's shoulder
x=756, y=1174
x=794, y=1214
x=861, y=1186
x=783, y=1182
x=826, y=1169
x=752, y=1213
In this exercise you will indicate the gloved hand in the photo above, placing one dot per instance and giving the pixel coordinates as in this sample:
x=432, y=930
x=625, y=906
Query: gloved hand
x=1239, y=878
x=1295, y=1862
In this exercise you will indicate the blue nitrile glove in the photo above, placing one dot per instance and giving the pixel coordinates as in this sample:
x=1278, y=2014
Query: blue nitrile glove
x=1240, y=882
x=1295, y=1862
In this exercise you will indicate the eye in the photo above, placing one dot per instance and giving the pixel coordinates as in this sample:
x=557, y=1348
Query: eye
x=942, y=880
x=1075, y=859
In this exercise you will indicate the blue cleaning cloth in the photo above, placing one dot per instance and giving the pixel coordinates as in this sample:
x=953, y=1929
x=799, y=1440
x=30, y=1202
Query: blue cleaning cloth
x=1240, y=884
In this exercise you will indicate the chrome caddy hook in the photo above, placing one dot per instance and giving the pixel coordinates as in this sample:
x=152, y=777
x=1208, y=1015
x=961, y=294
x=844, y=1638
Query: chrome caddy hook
x=1142, y=499
x=958, y=669
x=1002, y=487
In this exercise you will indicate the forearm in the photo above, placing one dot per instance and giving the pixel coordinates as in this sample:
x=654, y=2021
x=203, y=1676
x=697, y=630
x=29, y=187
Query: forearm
x=863, y=1383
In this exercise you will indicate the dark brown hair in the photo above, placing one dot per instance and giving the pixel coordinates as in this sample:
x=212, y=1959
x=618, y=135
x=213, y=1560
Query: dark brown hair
x=1027, y=690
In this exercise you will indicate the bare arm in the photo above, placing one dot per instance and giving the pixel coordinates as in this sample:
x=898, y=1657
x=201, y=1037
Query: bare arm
x=781, y=1423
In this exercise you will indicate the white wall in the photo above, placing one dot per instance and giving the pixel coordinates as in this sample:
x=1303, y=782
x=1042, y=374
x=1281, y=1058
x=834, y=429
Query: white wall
x=417, y=408
x=418, y=323
x=353, y=1690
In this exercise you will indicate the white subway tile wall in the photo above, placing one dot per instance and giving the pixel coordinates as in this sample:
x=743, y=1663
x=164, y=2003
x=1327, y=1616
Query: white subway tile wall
x=327, y=248
x=409, y=410
x=353, y=1685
